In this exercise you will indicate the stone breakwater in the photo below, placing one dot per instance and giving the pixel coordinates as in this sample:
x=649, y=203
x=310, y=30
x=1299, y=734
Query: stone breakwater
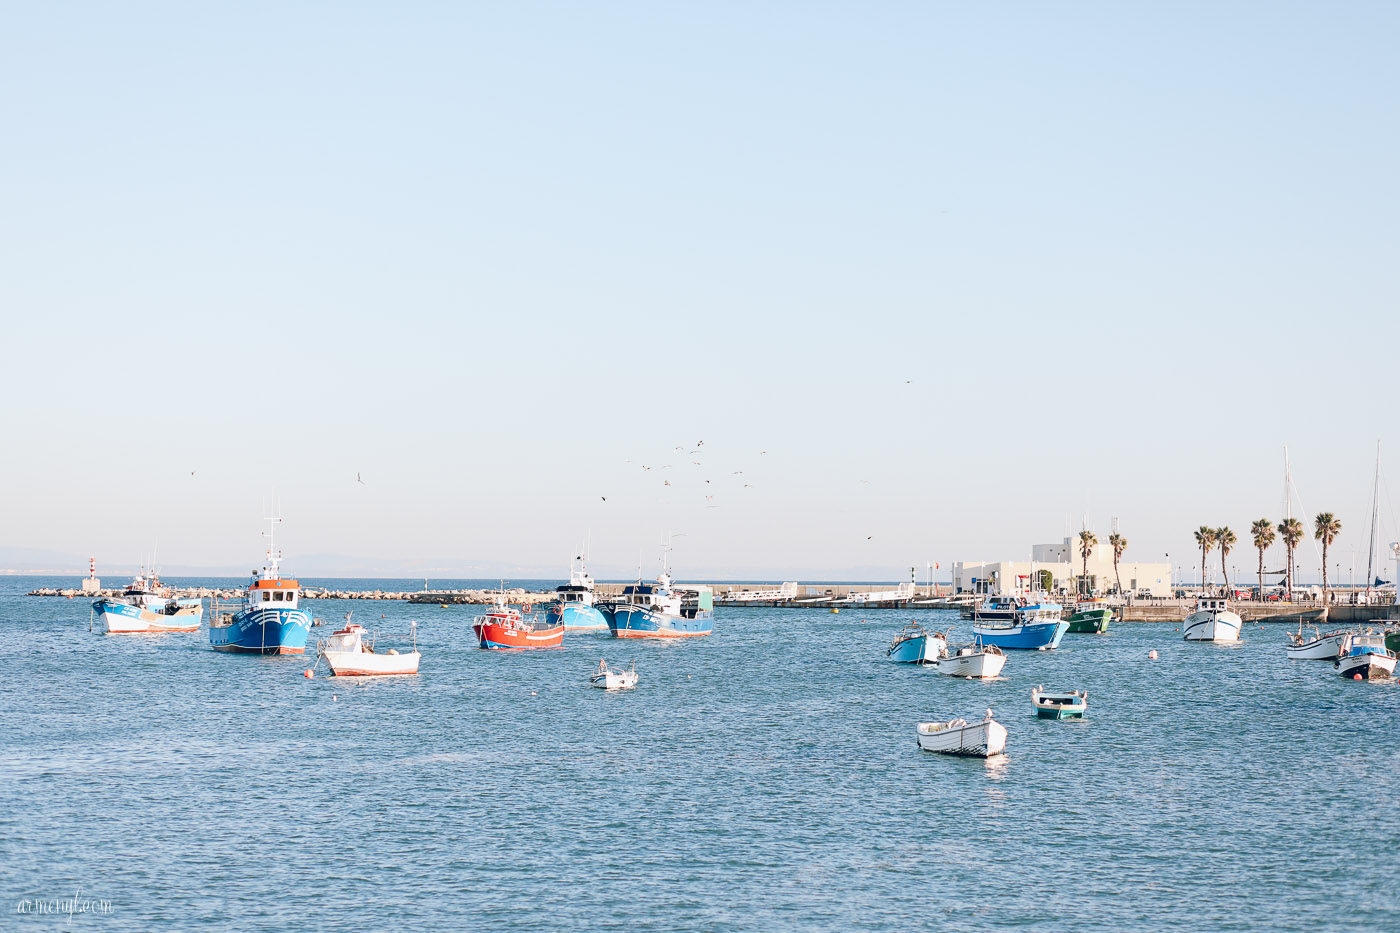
x=470, y=597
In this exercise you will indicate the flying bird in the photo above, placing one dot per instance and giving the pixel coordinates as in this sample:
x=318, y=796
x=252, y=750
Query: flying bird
x=192, y=472
x=699, y=443
x=604, y=498
x=709, y=498
x=868, y=537
x=645, y=467
x=360, y=481
x=737, y=473
x=762, y=452
x=668, y=482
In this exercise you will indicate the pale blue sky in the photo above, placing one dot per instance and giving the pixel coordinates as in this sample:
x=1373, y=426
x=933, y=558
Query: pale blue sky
x=483, y=255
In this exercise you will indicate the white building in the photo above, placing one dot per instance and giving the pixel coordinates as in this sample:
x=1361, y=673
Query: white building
x=1059, y=567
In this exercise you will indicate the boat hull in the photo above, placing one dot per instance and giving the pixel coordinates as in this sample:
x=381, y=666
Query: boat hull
x=918, y=649
x=640, y=622
x=977, y=740
x=367, y=664
x=1327, y=647
x=1369, y=666
x=1035, y=636
x=497, y=636
x=614, y=680
x=576, y=618
x=1089, y=621
x=1218, y=627
x=118, y=618
x=978, y=665
x=262, y=631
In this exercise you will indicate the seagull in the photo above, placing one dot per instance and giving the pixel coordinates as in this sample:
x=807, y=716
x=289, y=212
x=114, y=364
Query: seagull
x=707, y=481
x=604, y=498
x=762, y=452
x=868, y=537
x=645, y=467
x=192, y=472
x=709, y=498
x=699, y=443
x=360, y=481
x=697, y=463
x=748, y=485
x=737, y=473
x=696, y=450
x=668, y=482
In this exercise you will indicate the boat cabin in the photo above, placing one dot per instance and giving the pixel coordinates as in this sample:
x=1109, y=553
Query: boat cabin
x=1212, y=604
x=348, y=639
x=1048, y=612
x=1367, y=644
x=575, y=593
x=273, y=594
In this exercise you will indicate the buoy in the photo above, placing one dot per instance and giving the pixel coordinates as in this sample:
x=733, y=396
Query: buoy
x=309, y=674
x=1356, y=676
x=334, y=698
x=1152, y=654
x=532, y=693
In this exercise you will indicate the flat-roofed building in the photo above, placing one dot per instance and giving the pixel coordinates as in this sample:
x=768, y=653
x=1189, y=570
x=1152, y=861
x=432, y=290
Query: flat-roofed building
x=1059, y=568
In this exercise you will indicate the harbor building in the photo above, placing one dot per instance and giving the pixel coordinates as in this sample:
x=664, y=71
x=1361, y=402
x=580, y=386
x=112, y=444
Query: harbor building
x=1059, y=567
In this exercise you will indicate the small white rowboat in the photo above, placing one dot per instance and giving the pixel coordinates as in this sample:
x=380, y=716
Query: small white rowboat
x=607, y=678
x=959, y=737
x=977, y=661
x=347, y=656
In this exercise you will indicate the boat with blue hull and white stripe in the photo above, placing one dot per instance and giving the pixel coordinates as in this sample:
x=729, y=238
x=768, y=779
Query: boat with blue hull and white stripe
x=1035, y=627
x=913, y=645
x=270, y=620
x=147, y=608
x=575, y=608
x=659, y=610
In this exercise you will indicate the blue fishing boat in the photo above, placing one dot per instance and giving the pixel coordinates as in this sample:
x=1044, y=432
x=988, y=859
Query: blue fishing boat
x=270, y=620
x=913, y=645
x=1039, y=626
x=575, y=608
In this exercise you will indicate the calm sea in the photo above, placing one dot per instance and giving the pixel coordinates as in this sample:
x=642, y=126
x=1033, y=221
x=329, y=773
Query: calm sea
x=765, y=777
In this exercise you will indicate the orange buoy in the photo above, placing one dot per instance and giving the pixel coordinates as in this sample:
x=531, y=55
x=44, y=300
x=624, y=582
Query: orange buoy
x=1152, y=654
x=1355, y=676
x=309, y=674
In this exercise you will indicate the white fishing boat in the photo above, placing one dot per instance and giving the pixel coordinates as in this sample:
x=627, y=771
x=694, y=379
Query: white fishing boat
x=348, y=655
x=1367, y=657
x=614, y=678
x=1317, y=646
x=959, y=737
x=1212, y=621
x=976, y=661
x=147, y=606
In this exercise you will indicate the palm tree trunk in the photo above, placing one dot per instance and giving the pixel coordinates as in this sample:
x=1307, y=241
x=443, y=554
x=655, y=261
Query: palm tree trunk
x=1261, y=573
x=1326, y=596
x=1117, y=579
x=1223, y=572
x=1203, y=571
x=1288, y=572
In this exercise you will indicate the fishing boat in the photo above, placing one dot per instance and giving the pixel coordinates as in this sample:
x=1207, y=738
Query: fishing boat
x=270, y=620
x=1317, y=646
x=1090, y=616
x=1035, y=627
x=613, y=678
x=959, y=737
x=506, y=627
x=1392, y=639
x=913, y=645
x=348, y=655
x=1059, y=705
x=975, y=661
x=661, y=609
x=146, y=607
x=1366, y=657
x=1212, y=621
x=574, y=607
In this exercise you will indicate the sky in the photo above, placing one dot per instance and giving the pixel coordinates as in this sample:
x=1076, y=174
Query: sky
x=932, y=281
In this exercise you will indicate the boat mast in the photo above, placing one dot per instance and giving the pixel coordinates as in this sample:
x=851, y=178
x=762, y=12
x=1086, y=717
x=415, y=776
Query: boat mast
x=1375, y=514
x=1288, y=517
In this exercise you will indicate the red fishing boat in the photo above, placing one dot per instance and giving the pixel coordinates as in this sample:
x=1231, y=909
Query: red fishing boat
x=505, y=627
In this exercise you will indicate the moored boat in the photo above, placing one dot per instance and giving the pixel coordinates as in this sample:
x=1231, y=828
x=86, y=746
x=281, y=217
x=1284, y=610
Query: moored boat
x=1034, y=627
x=270, y=620
x=660, y=609
x=1050, y=705
x=347, y=655
x=505, y=627
x=146, y=607
x=614, y=678
x=574, y=609
x=1090, y=616
x=975, y=661
x=1317, y=646
x=959, y=737
x=993, y=609
x=913, y=645
x=1366, y=657
x=1212, y=621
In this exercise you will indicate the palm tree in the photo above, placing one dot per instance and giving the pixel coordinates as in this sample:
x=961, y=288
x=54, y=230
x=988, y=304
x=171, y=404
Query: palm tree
x=1205, y=537
x=1263, y=533
x=1225, y=538
x=1326, y=528
x=1087, y=540
x=1119, y=545
x=1291, y=531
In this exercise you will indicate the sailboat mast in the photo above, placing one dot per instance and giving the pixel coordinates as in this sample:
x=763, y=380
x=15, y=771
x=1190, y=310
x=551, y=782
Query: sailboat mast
x=1375, y=515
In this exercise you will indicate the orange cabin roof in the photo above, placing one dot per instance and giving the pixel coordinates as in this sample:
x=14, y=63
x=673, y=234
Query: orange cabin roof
x=275, y=585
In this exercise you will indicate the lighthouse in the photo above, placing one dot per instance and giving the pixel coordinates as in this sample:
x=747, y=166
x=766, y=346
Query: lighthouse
x=92, y=586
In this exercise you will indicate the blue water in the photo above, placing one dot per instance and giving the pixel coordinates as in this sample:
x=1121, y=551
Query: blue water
x=765, y=777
